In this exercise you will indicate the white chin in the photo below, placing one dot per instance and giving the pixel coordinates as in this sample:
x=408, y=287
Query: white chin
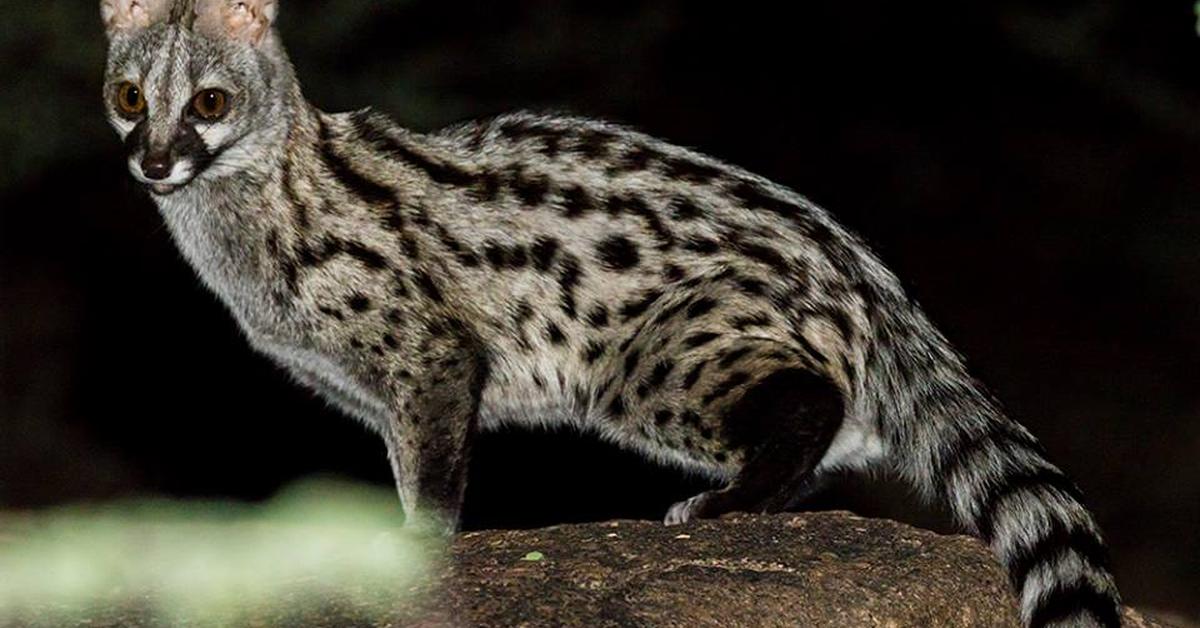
x=163, y=189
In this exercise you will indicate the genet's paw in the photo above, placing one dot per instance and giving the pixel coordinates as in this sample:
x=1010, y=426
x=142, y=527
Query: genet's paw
x=682, y=512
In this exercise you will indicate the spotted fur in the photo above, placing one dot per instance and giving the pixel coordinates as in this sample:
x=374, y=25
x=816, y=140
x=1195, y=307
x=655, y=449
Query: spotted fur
x=548, y=270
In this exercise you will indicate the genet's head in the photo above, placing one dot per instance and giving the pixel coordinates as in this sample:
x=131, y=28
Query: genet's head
x=195, y=87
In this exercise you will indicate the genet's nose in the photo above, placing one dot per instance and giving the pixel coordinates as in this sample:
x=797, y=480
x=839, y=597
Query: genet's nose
x=157, y=166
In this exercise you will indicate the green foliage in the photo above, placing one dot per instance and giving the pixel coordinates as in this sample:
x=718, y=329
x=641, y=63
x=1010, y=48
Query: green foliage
x=317, y=545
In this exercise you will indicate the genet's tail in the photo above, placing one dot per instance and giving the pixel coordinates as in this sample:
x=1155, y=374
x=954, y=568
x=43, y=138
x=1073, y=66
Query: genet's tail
x=950, y=440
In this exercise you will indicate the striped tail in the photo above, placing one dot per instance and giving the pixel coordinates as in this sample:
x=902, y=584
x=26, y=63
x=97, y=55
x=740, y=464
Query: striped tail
x=950, y=440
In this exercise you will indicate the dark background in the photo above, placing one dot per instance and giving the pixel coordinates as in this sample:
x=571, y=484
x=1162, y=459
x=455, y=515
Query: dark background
x=1028, y=168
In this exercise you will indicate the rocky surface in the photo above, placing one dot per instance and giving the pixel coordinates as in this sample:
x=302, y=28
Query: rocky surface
x=817, y=569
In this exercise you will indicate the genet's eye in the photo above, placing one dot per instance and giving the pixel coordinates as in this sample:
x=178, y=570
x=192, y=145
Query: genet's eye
x=210, y=104
x=130, y=100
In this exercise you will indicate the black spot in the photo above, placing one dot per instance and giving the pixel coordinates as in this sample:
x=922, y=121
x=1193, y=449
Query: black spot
x=733, y=356
x=737, y=378
x=408, y=244
x=631, y=362
x=701, y=307
x=690, y=171
x=637, y=206
x=660, y=372
x=807, y=347
x=636, y=308
x=428, y=286
x=766, y=255
x=333, y=313
x=683, y=208
x=502, y=257
x=720, y=456
x=468, y=259
x=399, y=284
x=706, y=433
x=355, y=343
x=524, y=313
x=617, y=407
x=272, y=242
x=518, y=257
x=693, y=375
x=635, y=159
x=391, y=220
x=614, y=205
x=555, y=334
x=598, y=317
x=751, y=286
x=421, y=217
x=700, y=339
x=486, y=187
x=702, y=245
x=662, y=417
x=390, y=341
x=551, y=146
x=531, y=189
x=568, y=278
x=316, y=254
x=377, y=350
x=544, y=250
x=593, y=351
x=518, y=129
x=495, y=255
x=668, y=312
x=741, y=323
x=690, y=417
x=673, y=273
x=618, y=252
x=594, y=143
x=369, y=257
x=779, y=356
x=576, y=201
x=538, y=381
x=358, y=302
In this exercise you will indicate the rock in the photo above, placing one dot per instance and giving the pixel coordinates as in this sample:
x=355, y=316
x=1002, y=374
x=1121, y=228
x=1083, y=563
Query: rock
x=816, y=569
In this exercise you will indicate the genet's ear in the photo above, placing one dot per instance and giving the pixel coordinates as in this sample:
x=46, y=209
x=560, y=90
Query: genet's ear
x=125, y=16
x=241, y=20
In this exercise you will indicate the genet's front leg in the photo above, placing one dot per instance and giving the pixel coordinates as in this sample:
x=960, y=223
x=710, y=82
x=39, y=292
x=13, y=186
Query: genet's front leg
x=429, y=438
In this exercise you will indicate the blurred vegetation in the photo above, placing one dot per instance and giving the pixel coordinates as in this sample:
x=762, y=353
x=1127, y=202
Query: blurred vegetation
x=317, y=546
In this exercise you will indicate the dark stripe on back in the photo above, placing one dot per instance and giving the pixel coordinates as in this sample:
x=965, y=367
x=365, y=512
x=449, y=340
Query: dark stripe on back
x=378, y=137
x=368, y=191
x=755, y=196
x=690, y=171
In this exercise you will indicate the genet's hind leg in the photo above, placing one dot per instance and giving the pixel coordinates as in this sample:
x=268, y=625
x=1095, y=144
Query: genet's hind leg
x=785, y=424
